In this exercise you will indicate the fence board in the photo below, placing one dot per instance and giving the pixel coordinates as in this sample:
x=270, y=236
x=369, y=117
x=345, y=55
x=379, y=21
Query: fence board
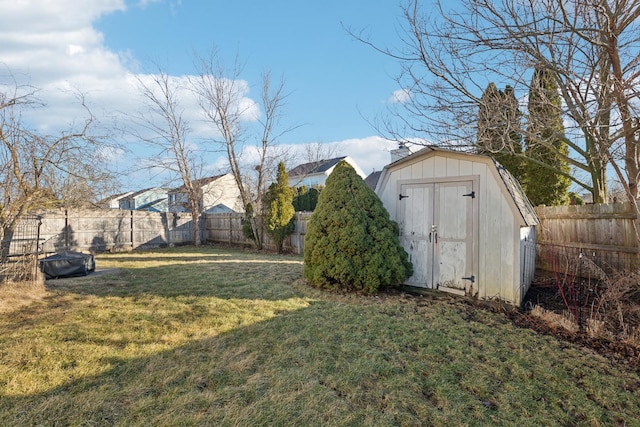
x=603, y=233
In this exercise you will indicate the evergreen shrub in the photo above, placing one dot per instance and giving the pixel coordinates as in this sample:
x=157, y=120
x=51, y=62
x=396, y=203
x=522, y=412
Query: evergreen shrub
x=351, y=243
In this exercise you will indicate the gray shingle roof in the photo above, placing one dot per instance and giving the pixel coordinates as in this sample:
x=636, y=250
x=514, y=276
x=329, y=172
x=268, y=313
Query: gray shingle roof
x=314, y=167
x=372, y=179
x=200, y=182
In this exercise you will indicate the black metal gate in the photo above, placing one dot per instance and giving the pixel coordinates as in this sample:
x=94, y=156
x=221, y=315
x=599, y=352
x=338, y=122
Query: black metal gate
x=19, y=250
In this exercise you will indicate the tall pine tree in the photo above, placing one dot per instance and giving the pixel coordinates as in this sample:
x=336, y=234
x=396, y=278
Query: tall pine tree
x=279, y=208
x=499, y=133
x=545, y=182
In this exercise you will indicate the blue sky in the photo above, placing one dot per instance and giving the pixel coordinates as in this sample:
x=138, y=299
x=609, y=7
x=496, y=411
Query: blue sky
x=336, y=83
x=333, y=79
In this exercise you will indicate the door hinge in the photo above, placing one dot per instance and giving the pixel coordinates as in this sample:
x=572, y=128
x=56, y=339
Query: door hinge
x=400, y=197
x=470, y=278
x=472, y=195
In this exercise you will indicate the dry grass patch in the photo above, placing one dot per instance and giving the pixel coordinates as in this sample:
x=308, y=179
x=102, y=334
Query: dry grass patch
x=16, y=295
x=208, y=337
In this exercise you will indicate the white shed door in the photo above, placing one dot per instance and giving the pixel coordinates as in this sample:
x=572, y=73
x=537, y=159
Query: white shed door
x=436, y=230
x=415, y=218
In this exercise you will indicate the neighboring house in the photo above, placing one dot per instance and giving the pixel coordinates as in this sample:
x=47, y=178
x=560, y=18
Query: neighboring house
x=372, y=179
x=218, y=194
x=464, y=221
x=401, y=152
x=315, y=174
x=150, y=199
x=161, y=205
x=113, y=202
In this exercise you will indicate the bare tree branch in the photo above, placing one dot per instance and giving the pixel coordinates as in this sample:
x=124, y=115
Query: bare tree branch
x=221, y=95
x=449, y=54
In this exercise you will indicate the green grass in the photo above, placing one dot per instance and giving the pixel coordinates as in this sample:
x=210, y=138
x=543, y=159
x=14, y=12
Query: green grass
x=206, y=336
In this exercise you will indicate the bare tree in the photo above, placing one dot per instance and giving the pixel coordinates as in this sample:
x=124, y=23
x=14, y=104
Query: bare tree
x=317, y=151
x=591, y=47
x=221, y=93
x=168, y=132
x=36, y=170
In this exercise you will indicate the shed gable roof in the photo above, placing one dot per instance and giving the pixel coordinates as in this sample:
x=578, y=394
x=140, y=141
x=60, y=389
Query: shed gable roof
x=517, y=194
x=509, y=184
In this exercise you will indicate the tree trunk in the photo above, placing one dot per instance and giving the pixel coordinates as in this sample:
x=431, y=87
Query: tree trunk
x=5, y=243
x=196, y=213
x=599, y=179
x=256, y=232
x=195, y=219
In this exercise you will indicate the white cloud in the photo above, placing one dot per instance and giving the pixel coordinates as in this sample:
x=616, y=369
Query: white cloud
x=370, y=153
x=400, y=96
x=74, y=49
x=53, y=46
x=47, y=39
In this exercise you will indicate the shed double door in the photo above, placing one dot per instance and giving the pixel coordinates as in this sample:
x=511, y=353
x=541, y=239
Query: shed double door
x=436, y=229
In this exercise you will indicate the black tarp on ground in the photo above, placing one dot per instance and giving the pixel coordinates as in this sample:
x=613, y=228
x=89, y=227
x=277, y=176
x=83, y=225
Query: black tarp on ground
x=67, y=264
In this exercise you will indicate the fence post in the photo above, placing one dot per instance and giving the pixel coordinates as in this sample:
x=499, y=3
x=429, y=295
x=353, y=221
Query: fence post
x=66, y=229
x=132, y=232
x=35, y=262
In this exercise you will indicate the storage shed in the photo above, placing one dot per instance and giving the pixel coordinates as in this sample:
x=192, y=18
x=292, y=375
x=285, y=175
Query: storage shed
x=464, y=221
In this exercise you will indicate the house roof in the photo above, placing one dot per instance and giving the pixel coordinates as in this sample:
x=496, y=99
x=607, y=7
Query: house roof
x=152, y=204
x=201, y=182
x=372, y=179
x=137, y=193
x=115, y=197
x=320, y=166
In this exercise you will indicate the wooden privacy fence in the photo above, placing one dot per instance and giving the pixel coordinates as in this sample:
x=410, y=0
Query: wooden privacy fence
x=99, y=230
x=566, y=236
x=227, y=228
x=574, y=238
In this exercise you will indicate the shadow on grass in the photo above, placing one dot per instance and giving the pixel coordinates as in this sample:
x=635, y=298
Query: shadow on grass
x=200, y=254
x=228, y=279
x=343, y=364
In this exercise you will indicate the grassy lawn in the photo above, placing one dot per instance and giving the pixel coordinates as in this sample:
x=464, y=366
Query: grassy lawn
x=189, y=336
